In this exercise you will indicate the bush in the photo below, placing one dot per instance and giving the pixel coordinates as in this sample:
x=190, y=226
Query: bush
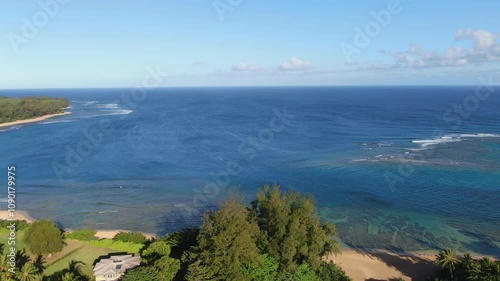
x=44, y=237
x=82, y=235
x=20, y=224
x=119, y=246
x=132, y=237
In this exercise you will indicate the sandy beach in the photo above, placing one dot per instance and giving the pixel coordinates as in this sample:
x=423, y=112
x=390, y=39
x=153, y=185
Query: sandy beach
x=382, y=265
x=33, y=120
x=19, y=215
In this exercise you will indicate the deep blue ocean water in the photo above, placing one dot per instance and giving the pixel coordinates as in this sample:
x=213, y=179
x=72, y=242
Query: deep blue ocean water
x=399, y=168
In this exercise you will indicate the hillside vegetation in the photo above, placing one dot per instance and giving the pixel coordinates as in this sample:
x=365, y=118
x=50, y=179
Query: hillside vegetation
x=14, y=109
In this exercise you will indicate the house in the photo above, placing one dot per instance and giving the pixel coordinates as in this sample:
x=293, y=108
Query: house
x=112, y=268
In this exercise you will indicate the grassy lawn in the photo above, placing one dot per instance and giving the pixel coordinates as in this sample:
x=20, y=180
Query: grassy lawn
x=73, y=250
x=79, y=251
x=4, y=238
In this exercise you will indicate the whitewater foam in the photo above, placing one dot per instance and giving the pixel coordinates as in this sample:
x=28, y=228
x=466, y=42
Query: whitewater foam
x=453, y=138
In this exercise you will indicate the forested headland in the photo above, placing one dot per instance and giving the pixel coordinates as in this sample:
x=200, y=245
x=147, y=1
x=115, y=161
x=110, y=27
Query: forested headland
x=15, y=109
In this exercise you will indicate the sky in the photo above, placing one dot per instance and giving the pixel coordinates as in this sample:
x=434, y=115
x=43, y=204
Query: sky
x=116, y=43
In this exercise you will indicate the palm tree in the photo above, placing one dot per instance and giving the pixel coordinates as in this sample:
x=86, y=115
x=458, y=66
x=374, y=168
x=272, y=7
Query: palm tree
x=27, y=273
x=69, y=276
x=3, y=263
x=22, y=258
x=7, y=276
x=489, y=268
x=39, y=263
x=74, y=267
x=471, y=268
x=447, y=260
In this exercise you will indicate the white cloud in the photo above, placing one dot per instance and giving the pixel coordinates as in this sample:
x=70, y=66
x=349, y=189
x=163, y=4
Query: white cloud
x=295, y=64
x=483, y=39
x=485, y=49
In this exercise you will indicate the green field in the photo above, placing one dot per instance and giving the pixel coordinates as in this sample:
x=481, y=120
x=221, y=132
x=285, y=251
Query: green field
x=4, y=238
x=73, y=250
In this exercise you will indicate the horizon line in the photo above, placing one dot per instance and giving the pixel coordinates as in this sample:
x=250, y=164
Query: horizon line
x=268, y=86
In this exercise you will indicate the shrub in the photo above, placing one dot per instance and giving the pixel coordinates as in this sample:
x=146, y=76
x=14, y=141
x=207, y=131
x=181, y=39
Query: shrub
x=20, y=224
x=82, y=235
x=119, y=246
x=132, y=237
x=143, y=273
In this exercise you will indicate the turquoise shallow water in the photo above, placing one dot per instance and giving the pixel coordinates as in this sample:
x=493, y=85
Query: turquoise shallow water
x=393, y=167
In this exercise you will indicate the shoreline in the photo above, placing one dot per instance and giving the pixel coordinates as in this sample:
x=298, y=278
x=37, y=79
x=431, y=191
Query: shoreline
x=19, y=215
x=100, y=233
x=32, y=120
x=384, y=265
x=359, y=264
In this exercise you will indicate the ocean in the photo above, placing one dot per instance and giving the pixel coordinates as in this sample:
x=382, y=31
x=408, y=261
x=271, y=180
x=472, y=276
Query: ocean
x=396, y=168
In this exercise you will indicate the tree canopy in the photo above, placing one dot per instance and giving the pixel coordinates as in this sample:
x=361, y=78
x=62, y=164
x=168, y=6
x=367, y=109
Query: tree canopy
x=13, y=109
x=227, y=241
x=280, y=237
x=44, y=237
x=292, y=229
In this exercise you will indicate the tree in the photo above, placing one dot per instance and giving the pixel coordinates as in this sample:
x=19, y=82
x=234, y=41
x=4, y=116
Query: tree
x=303, y=272
x=266, y=270
x=22, y=258
x=490, y=270
x=27, y=273
x=447, y=260
x=168, y=268
x=227, y=241
x=69, y=276
x=75, y=267
x=157, y=254
x=142, y=273
x=293, y=232
x=44, y=237
x=199, y=272
x=39, y=263
x=155, y=251
x=329, y=271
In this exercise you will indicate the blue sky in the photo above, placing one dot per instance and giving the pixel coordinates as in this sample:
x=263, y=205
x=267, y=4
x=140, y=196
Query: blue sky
x=95, y=43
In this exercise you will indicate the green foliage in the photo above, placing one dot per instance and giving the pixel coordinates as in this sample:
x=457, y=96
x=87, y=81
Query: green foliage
x=142, y=273
x=227, y=241
x=20, y=224
x=292, y=231
x=155, y=251
x=116, y=245
x=329, y=271
x=265, y=270
x=466, y=268
x=181, y=241
x=82, y=235
x=44, y=237
x=72, y=273
x=168, y=267
x=303, y=272
x=132, y=237
x=199, y=272
x=27, y=273
x=447, y=260
x=13, y=109
x=157, y=255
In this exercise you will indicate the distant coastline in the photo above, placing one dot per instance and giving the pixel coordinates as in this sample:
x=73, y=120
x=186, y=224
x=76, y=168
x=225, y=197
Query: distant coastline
x=32, y=120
